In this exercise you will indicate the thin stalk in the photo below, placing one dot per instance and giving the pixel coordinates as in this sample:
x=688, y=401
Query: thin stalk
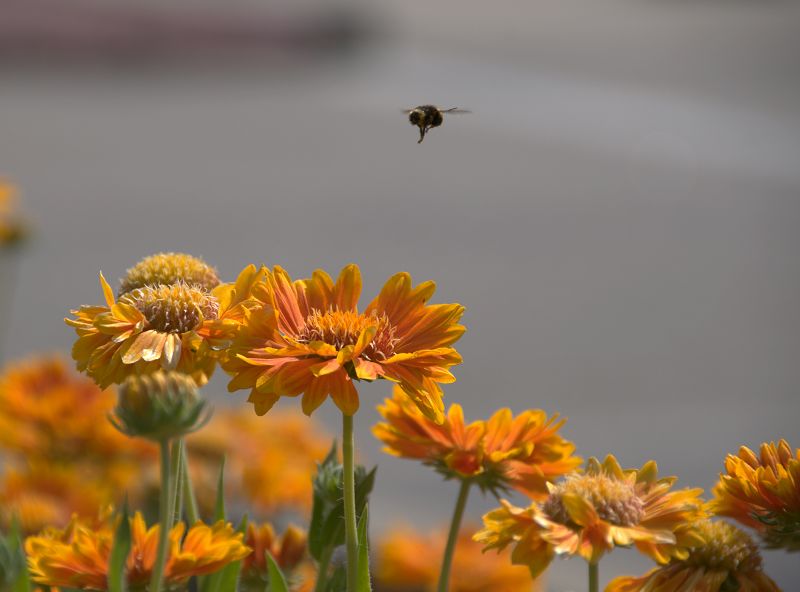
x=350, y=526
x=165, y=518
x=192, y=513
x=176, y=509
x=322, y=569
x=594, y=577
x=455, y=526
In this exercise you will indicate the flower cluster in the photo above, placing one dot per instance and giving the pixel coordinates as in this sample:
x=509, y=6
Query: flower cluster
x=763, y=492
x=524, y=452
x=589, y=514
x=78, y=556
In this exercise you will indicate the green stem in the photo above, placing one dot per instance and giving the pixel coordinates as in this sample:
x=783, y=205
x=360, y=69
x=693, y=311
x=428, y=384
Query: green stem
x=455, y=525
x=176, y=481
x=322, y=569
x=165, y=518
x=192, y=513
x=594, y=577
x=350, y=526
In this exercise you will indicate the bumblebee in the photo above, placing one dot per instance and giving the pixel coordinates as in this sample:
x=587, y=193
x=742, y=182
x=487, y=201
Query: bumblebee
x=426, y=117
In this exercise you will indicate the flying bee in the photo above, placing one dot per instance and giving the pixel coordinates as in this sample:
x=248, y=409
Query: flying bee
x=426, y=117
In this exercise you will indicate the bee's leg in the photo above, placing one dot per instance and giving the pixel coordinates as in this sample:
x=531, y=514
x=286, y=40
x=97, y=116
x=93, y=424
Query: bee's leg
x=422, y=130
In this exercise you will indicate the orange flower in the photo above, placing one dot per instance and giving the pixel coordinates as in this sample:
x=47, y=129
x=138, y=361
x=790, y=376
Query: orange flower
x=11, y=229
x=176, y=326
x=289, y=550
x=269, y=462
x=763, y=493
x=78, y=556
x=309, y=337
x=524, y=453
x=590, y=514
x=724, y=559
x=403, y=563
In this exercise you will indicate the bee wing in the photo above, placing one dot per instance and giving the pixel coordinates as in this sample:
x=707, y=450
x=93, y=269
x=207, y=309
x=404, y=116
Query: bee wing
x=455, y=111
x=407, y=111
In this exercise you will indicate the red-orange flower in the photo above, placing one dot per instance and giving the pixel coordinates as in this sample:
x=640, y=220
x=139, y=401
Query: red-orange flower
x=309, y=337
x=524, y=452
x=288, y=550
x=763, y=492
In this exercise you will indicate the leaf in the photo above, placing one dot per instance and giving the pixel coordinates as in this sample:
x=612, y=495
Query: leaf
x=363, y=583
x=219, y=506
x=117, y=580
x=277, y=583
x=22, y=583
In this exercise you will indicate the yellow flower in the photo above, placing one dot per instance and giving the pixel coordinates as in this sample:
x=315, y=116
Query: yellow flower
x=78, y=556
x=309, y=337
x=589, y=514
x=723, y=559
x=406, y=562
x=176, y=326
x=269, y=461
x=167, y=269
x=524, y=452
x=11, y=229
x=763, y=492
x=288, y=550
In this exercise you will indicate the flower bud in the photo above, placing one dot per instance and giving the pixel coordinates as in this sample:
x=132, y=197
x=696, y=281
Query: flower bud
x=159, y=406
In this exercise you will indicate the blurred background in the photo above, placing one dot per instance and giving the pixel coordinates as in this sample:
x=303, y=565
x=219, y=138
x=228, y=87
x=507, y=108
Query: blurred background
x=619, y=214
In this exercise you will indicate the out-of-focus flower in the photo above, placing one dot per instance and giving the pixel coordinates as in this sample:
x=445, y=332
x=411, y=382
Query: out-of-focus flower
x=723, y=560
x=288, y=550
x=178, y=326
x=38, y=419
x=167, y=269
x=524, y=452
x=46, y=494
x=406, y=562
x=763, y=493
x=78, y=556
x=159, y=406
x=590, y=514
x=11, y=227
x=269, y=461
x=309, y=337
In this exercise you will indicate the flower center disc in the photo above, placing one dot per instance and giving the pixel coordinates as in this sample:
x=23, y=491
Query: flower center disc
x=341, y=328
x=173, y=309
x=726, y=547
x=614, y=501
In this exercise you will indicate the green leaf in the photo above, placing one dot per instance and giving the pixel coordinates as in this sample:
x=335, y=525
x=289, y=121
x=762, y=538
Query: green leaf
x=22, y=582
x=219, y=506
x=277, y=583
x=363, y=583
x=117, y=580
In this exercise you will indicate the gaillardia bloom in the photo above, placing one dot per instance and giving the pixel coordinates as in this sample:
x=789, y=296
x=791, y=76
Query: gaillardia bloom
x=524, y=452
x=724, y=559
x=78, y=556
x=309, y=337
x=288, y=550
x=763, y=493
x=178, y=326
x=403, y=564
x=589, y=514
x=167, y=269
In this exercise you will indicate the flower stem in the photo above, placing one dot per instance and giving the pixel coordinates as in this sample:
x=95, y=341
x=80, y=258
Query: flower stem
x=455, y=525
x=176, y=482
x=594, y=577
x=322, y=569
x=350, y=526
x=192, y=513
x=165, y=519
